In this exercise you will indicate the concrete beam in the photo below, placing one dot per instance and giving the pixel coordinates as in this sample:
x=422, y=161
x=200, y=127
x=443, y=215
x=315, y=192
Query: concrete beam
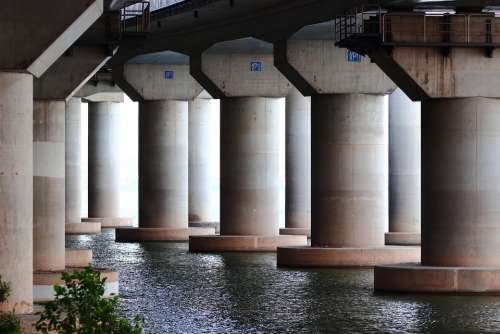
x=70, y=73
x=37, y=33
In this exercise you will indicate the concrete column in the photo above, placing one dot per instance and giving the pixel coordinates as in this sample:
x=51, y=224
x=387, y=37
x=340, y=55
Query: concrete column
x=103, y=168
x=16, y=184
x=461, y=182
x=48, y=185
x=73, y=161
x=298, y=164
x=251, y=131
x=349, y=170
x=204, y=160
x=163, y=164
x=404, y=170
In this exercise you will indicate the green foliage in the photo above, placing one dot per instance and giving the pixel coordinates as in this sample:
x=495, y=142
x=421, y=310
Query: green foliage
x=9, y=324
x=79, y=308
x=4, y=290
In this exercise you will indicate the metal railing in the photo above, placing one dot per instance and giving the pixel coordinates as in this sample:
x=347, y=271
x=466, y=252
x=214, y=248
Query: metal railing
x=420, y=28
x=136, y=17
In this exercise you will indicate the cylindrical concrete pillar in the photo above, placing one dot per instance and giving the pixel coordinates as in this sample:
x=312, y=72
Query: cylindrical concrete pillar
x=204, y=160
x=404, y=164
x=252, y=184
x=349, y=170
x=461, y=182
x=73, y=161
x=163, y=164
x=16, y=184
x=298, y=161
x=48, y=185
x=103, y=162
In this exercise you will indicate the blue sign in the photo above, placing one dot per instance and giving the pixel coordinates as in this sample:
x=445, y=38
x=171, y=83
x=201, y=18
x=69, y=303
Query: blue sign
x=353, y=57
x=255, y=66
x=169, y=75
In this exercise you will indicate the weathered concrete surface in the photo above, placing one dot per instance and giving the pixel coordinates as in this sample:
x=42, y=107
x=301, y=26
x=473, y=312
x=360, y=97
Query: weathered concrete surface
x=214, y=225
x=316, y=60
x=204, y=160
x=110, y=222
x=103, y=168
x=244, y=243
x=295, y=231
x=461, y=182
x=16, y=184
x=252, y=166
x=160, y=234
x=63, y=23
x=78, y=258
x=48, y=185
x=149, y=81
x=163, y=164
x=404, y=168
x=298, y=161
x=73, y=161
x=403, y=238
x=349, y=170
x=346, y=256
x=414, y=278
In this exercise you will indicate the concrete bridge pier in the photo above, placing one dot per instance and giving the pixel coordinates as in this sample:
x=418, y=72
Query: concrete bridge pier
x=73, y=172
x=252, y=148
x=298, y=164
x=204, y=162
x=163, y=152
x=404, y=170
x=104, y=164
x=349, y=154
x=460, y=179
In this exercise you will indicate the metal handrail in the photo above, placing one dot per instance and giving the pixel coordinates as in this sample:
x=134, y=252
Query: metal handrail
x=136, y=15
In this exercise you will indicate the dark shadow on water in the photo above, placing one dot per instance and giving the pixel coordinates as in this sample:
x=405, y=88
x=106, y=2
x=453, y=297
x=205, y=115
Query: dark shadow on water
x=181, y=292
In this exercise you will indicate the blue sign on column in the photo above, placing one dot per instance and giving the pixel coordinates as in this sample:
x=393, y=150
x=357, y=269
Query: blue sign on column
x=169, y=75
x=255, y=66
x=353, y=57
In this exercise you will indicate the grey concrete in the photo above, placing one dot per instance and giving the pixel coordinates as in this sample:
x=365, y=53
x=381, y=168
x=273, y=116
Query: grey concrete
x=349, y=170
x=16, y=183
x=461, y=182
x=204, y=160
x=103, y=160
x=73, y=161
x=48, y=185
x=404, y=164
x=252, y=166
x=163, y=164
x=298, y=161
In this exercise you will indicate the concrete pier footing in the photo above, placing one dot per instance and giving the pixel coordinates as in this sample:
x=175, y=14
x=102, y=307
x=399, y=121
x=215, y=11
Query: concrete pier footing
x=16, y=183
x=298, y=165
x=159, y=234
x=82, y=228
x=460, y=191
x=103, y=169
x=78, y=258
x=43, y=283
x=404, y=170
x=252, y=184
x=214, y=225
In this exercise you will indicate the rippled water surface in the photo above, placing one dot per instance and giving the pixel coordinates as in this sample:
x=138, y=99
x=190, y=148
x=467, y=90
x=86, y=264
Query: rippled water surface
x=179, y=292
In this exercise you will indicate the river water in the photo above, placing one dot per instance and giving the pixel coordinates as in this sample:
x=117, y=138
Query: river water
x=180, y=292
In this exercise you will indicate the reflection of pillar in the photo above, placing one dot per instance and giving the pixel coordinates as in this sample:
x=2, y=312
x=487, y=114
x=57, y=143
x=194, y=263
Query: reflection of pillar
x=16, y=184
x=163, y=174
x=298, y=164
x=103, y=165
x=73, y=172
x=48, y=185
x=404, y=170
x=204, y=162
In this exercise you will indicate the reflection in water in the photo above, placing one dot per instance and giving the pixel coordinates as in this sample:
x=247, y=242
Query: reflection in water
x=179, y=292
